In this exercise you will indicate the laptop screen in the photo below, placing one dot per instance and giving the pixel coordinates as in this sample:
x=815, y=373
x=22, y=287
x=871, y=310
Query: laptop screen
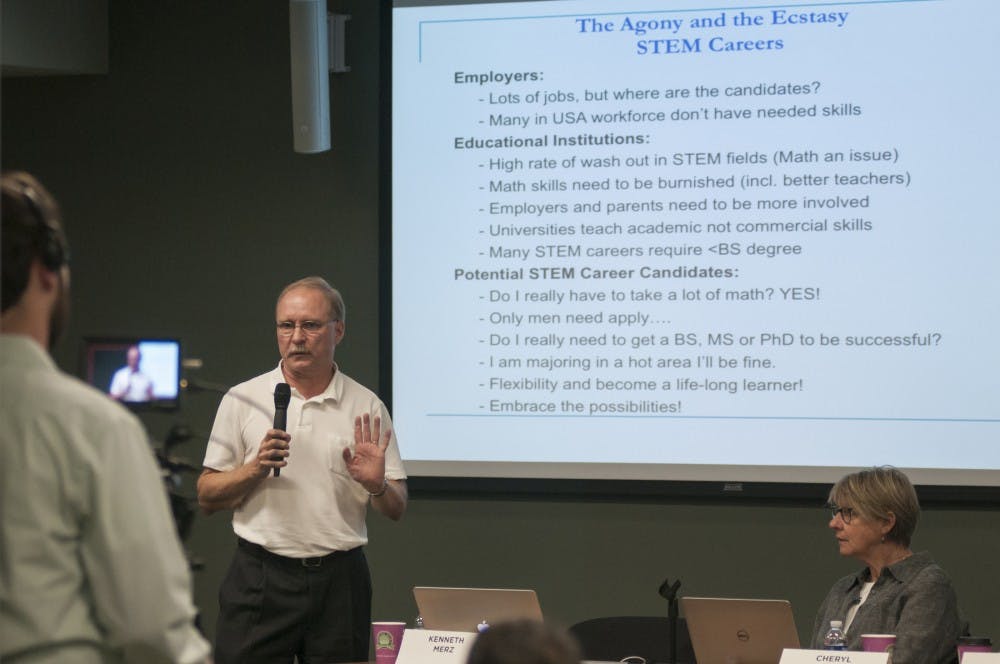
x=739, y=631
x=463, y=609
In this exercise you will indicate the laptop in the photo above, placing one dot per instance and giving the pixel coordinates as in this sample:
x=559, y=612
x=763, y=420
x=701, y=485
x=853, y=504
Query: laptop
x=463, y=609
x=739, y=631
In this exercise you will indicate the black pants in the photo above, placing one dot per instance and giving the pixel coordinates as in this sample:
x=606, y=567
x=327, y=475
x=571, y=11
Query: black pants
x=273, y=608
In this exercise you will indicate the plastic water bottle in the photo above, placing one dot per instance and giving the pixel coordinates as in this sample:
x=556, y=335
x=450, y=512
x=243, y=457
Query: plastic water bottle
x=835, y=639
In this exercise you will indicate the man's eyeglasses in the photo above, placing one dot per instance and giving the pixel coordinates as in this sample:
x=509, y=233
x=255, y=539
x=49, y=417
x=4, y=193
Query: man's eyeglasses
x=286, y=328
x=846, y=513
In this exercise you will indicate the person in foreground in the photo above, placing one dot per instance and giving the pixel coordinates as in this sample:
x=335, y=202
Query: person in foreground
x=899, y=592
x=91, y=569
x=524, y=642
x=299, y=585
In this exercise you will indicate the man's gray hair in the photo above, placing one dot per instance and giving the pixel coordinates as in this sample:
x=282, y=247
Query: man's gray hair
x=337, y=309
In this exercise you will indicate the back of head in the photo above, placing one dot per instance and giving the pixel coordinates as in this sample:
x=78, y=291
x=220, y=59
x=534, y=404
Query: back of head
x=524, y=642
x=31, y=230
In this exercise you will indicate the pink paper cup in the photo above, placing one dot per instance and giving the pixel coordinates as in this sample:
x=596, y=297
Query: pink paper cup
x=387, y=637
x=878, y=642
x=973, y=644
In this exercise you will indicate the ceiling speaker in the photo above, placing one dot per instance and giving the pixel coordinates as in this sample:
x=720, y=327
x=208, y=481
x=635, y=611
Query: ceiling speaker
x=310, y=56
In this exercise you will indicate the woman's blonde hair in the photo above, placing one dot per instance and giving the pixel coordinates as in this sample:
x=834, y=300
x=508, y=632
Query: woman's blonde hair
x=877, y=494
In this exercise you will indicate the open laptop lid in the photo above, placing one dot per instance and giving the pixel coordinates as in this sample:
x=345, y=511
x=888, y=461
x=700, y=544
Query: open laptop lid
x=462, y=609
x=739, y=631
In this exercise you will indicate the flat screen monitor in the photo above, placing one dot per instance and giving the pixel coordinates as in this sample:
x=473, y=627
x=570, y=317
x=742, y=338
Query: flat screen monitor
x=140, y=372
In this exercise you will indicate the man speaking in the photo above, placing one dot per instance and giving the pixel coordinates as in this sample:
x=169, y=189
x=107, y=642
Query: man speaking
x=299, y=585
x=129, y=383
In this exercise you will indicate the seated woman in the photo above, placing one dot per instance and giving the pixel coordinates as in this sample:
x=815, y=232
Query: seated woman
x=898, y=592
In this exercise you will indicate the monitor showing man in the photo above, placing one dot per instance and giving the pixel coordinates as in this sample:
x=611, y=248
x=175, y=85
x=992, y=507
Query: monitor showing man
x=142, y=372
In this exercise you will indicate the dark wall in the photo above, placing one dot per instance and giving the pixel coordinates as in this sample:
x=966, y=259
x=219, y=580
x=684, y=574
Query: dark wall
x=188, y=210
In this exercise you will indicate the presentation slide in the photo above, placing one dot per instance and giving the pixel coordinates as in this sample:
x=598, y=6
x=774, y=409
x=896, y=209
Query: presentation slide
x=696, y=241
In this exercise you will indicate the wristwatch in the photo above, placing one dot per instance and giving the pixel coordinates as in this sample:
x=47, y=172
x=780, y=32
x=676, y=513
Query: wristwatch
x=385, y=485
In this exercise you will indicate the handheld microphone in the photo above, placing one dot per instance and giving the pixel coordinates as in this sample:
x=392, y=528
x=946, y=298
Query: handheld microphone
x=282, y=395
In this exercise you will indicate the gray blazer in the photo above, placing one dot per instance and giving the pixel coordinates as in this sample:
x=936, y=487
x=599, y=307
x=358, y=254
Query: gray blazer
x=913, y=599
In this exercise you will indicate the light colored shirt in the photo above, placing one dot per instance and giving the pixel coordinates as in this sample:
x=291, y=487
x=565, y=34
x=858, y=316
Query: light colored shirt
x=853, y=611
x=91, y=569
x=129, y=385
x=314, y=506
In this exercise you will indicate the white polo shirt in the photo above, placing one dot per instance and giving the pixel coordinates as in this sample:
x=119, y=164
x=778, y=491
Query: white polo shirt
x=131, y=385
x=313, y=507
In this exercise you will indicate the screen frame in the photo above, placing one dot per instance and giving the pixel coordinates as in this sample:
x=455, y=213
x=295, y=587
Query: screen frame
x=810, y=492
x=115, y=343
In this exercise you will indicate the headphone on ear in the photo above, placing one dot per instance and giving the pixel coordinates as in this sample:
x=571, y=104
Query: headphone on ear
x=49, y=239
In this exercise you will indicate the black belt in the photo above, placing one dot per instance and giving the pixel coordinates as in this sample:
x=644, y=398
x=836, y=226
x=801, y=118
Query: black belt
x=257, y=551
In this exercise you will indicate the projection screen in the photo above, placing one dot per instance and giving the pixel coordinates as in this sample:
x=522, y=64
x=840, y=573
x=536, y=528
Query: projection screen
x=696, y=241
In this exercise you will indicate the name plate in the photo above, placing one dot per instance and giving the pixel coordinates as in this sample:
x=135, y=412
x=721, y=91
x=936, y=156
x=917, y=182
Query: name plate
x=981, y=658
x=431, y=646
x=797, y=656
